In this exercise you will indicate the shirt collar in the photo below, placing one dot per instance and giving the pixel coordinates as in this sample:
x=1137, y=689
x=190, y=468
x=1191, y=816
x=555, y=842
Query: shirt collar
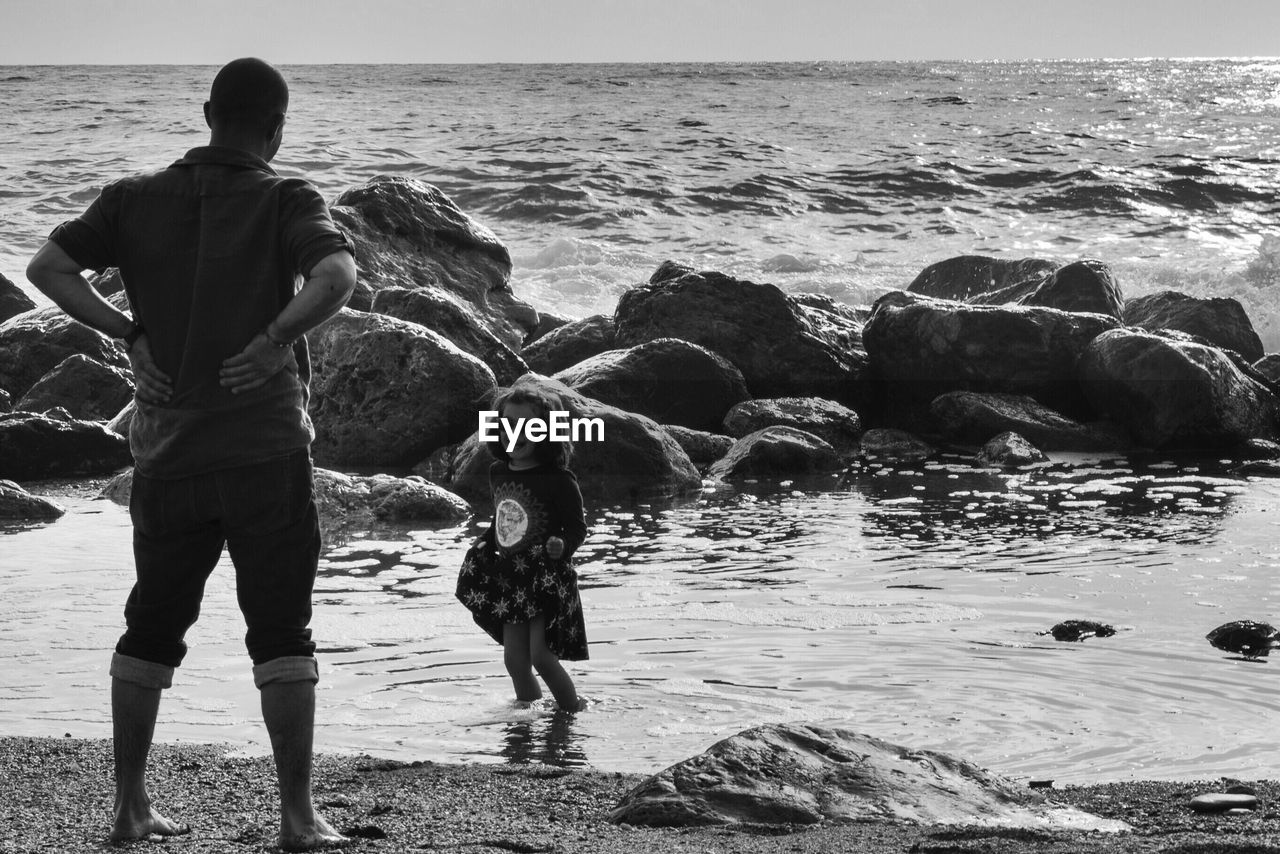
x=224, y=156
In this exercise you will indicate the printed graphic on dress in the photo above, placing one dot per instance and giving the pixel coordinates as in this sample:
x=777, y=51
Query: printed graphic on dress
x=518, y=518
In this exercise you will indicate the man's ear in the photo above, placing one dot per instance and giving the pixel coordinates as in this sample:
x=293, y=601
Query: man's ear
x=207, y=119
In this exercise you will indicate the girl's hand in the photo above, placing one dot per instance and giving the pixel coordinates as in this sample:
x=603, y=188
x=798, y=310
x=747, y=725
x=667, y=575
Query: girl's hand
x=555, y=548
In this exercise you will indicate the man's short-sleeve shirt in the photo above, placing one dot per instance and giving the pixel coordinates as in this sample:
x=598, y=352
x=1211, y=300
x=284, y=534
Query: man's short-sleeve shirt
x=210, y=250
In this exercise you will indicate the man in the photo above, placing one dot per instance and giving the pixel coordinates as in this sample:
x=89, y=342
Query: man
x=210, y=250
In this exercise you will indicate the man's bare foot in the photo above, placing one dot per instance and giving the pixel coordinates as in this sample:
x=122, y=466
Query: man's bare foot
x=142, y=823
x=313, y=836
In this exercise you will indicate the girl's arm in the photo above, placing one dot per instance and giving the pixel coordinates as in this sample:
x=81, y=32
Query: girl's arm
x=575, y=525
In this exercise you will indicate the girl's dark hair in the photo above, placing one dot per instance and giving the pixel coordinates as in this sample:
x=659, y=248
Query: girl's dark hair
x=547, y=452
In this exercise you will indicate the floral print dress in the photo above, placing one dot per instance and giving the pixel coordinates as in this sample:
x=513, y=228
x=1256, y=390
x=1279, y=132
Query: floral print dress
x=507, y=576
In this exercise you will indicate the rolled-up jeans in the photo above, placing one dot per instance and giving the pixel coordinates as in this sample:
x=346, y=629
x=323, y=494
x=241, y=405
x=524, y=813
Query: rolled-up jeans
x=265, y=515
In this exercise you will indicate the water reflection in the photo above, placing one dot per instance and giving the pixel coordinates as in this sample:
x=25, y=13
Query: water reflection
x=545, y=740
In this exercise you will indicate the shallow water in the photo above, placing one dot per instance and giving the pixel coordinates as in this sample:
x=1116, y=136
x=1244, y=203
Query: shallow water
x=906, y=603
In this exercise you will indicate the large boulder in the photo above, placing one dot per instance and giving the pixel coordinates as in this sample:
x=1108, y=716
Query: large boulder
x=920, y=348
x=1220, y=321
x=89, y=390
x=17, y=503
x=411, y=235
x=443, y=313
x=636, y=458
x=669, y=380
x=775, y=452
x=386, y=392
x=13, y=300
x=782, y=347
x=836, y=424
x=967, y=276
x=570, y=343
x=702, y=447
x=1172, y=393
x=37, y=446
x=796, y=774
x=34, y=343
x=1086, y=286
x=893, y=445
x=974, y=417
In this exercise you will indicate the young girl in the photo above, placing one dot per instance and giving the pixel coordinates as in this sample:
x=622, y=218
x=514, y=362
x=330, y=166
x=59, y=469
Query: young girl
x=518, y=579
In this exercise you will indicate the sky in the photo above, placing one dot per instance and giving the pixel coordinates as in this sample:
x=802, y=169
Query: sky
x=201, y=32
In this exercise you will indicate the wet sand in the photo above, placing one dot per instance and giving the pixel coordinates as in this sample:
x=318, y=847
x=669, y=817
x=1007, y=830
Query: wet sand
x=58, y=799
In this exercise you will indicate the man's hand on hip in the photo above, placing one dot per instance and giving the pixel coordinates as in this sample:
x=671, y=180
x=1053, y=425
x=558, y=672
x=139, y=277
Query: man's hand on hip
x=258, y=362
x=153, y=384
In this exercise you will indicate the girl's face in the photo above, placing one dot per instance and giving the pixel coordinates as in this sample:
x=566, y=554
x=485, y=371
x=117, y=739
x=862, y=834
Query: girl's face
x=525, y=452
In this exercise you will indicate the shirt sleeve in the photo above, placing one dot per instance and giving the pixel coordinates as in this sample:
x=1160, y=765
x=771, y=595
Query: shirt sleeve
x=575, y=525
x=90, y=239
x=309, y=231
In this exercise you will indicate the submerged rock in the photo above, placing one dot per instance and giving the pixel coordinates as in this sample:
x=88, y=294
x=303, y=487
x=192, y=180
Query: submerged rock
x=388, y=392
x=837, y=425
x=775, y=452
x=668, y=380
x=17, y=503
x=1220, y=321
x=88, y=389
x=1249, y=638
x=46, y=445
x=1078, y=630
x=1010, y=451
x=795, y=774
x=571, y=343
x=1172, y=393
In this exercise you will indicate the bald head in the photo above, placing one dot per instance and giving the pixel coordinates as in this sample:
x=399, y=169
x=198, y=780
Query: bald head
x=248, y=95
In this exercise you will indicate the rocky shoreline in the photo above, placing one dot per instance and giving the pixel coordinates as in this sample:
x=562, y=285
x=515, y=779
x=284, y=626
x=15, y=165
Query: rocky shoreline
x=60, y=796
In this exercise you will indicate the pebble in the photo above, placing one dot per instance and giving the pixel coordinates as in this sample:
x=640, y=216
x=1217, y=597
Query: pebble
x=1222, y=803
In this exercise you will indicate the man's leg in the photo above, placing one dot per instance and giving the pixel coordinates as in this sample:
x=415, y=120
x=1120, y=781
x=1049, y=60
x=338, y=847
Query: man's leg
x=135, y=701
x=289, y=710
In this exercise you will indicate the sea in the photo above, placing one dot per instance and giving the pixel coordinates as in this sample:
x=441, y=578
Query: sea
x=910, y=603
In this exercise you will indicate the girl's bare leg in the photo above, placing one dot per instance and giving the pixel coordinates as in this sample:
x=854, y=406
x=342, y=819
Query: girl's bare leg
x=516, y=655
x=550, y=668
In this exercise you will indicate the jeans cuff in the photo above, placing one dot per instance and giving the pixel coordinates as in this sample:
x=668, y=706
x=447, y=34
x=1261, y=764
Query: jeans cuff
x=139, y=671
x=287, y=668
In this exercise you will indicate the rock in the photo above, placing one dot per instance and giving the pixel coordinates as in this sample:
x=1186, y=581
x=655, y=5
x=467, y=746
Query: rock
x=775, y=452
x=920, y=348
x=108, y=283
x=409, y=234
x=1084, y=286
x=441, y=312
x=974, y=417
x=570, y=344
x=796, y=774
x=703, y=448
x=1218, y=802
x=119, y=489
x=834, y=321
x=782, y=347
x=637, y=458
x=1079, y=630
x=1009, y=450
x=6, y=402
x=837, y=425
x=668, y=271
x=891, y=444
x=123, y=419
x=17, y=503
x=1175, y=394
x=388, y=392
x=352, y=500
x=36, y=342
x=547, y=321
x=1249, y=638
x=38, y=446
x=967, y=276
x=13, y=300
x=1269, y=367
x=668, y=380
x=1220, y=321
x=89, y=390
x=1262, y=468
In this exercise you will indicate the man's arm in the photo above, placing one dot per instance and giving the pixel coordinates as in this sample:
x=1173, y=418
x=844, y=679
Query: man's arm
x=58, y=276
x=326, y=290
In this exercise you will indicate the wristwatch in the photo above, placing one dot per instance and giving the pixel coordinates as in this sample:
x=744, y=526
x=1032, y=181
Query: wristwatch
x=130, y=337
